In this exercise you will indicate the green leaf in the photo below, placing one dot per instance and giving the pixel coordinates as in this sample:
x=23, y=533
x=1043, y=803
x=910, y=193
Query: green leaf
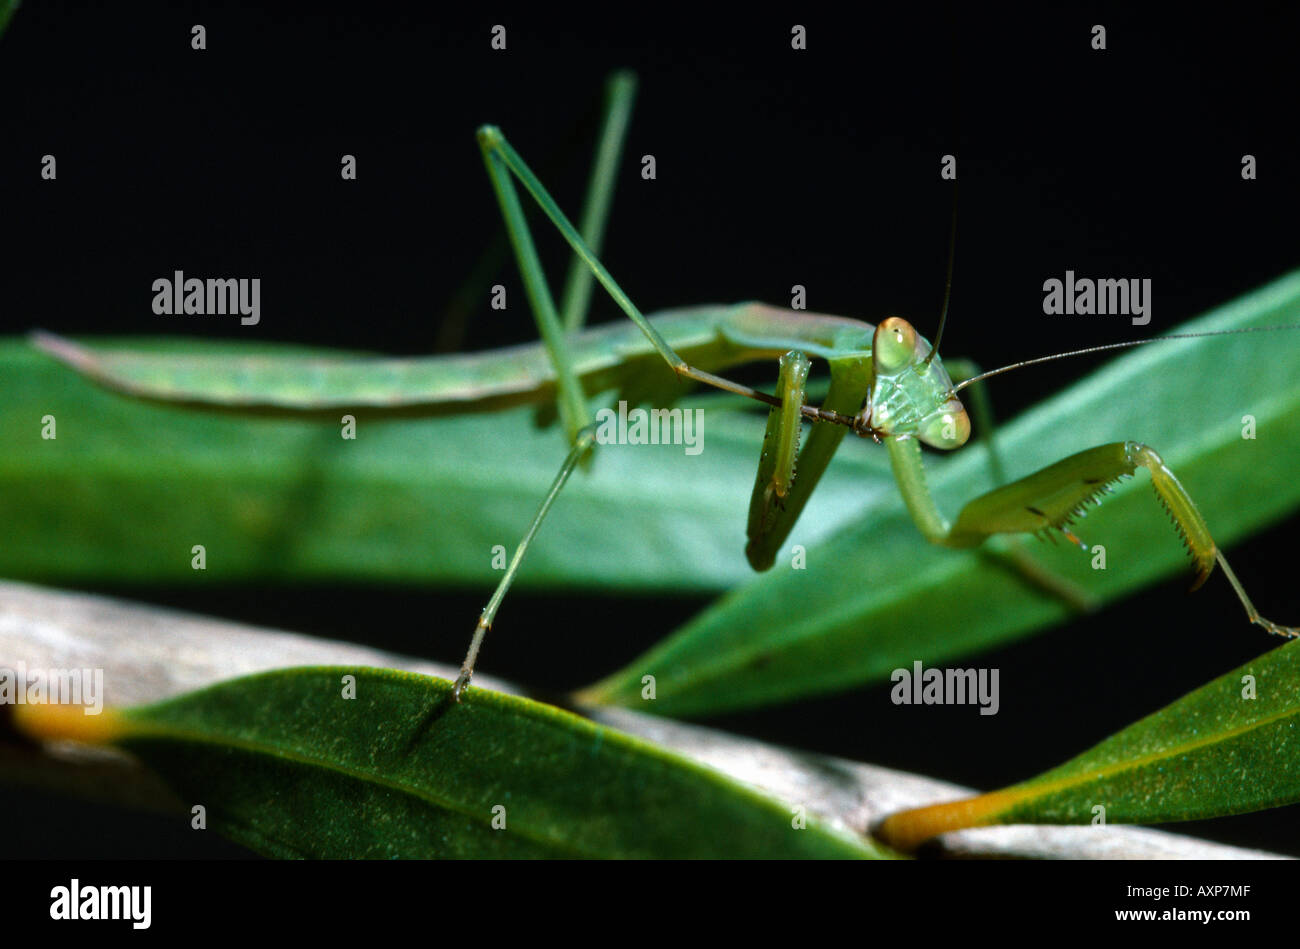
x=287, y=766
x=128, y=487
x=1227, y=748
x=7, y=9
x=875, y=596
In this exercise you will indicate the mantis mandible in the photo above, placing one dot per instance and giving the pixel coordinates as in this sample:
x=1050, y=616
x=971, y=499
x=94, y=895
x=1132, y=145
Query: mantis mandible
x=887, y=384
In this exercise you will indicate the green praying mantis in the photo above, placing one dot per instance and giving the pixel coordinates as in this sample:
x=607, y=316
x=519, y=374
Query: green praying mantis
x=886, y=383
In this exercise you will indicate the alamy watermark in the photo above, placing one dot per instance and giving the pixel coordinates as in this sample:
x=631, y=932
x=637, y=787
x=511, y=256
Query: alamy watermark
x=1083, y=296
x=77, y=901
x=22, y=686
x=919, y=686
x=626, y=426
x=215, y=296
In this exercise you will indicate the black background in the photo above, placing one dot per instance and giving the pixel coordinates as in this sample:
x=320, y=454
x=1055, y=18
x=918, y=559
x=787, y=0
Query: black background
x=775, y=167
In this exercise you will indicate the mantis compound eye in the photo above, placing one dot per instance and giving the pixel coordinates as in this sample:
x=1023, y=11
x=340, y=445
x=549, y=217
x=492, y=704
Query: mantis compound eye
x=948, y=427
x=894, y=345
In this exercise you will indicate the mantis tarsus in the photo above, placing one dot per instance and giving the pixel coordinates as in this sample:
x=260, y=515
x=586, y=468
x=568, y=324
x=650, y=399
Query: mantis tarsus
x=887, y=383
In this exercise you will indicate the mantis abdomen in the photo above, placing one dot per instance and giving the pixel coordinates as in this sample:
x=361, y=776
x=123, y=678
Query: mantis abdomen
x=615, y=356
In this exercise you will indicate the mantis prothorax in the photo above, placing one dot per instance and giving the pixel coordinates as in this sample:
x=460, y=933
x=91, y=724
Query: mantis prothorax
x=886, y=383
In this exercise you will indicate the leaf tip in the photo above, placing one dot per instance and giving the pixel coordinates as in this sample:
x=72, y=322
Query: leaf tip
x=59, y=722
x=64, y=350
x=907, y=830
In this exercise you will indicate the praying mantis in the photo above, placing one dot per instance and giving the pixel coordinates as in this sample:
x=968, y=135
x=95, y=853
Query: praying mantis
x=887, y=384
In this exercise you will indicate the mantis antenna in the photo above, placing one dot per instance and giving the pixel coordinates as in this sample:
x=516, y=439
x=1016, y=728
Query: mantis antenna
x=1134, y=342
x=947, y=286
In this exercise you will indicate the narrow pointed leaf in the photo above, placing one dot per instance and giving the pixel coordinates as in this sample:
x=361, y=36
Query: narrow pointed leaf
x=1230, y=747
x=127, y=487
x=287, y=766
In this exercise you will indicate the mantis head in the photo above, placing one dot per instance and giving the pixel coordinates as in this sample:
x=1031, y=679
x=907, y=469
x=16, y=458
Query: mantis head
x=911, y=394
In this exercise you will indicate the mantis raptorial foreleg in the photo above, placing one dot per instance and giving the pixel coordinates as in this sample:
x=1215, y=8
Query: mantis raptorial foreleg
x=778, y=459
x=774, y=510
x=1054, y=496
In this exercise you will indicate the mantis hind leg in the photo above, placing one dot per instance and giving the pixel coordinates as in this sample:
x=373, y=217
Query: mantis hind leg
x=620, y=91
x=577, y=294
x=584, y=443
x=502, y=158
x=573, y=408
